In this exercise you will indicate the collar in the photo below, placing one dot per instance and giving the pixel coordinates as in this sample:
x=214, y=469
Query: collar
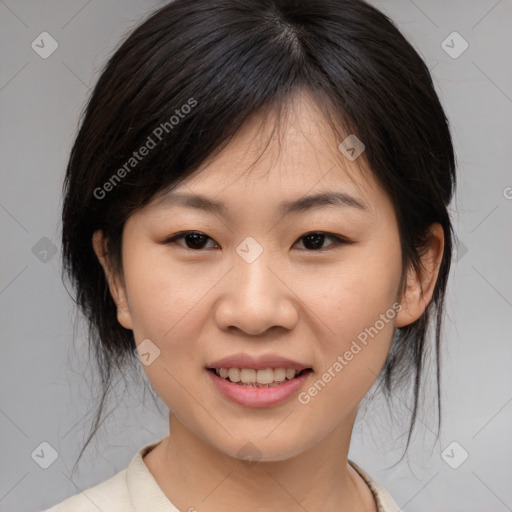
x=143, y=488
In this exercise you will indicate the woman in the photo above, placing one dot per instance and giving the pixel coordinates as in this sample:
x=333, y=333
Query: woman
x=256, y=210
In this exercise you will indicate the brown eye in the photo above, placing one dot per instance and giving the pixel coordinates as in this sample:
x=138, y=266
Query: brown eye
x=315, y=241
x=194, y=240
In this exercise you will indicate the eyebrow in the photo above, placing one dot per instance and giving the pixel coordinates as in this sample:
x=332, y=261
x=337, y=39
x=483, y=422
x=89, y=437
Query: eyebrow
x=301, y=205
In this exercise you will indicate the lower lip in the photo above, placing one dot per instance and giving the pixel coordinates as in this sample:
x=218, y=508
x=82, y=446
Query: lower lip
x=252, y=396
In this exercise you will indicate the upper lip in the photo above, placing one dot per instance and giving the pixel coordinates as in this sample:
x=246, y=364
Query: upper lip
x=257, y=363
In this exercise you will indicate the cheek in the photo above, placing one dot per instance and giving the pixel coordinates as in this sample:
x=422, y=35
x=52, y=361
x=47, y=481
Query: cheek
x=356, y=292
x=168, y=307
x=171, y=306
x=165, y=300
x=357, y=308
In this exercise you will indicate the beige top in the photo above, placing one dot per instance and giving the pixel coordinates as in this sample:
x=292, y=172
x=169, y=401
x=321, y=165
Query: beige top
x=134, y=489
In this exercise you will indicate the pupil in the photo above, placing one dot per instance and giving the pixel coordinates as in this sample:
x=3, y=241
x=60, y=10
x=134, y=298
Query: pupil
x=317, y=240
x=196, y=240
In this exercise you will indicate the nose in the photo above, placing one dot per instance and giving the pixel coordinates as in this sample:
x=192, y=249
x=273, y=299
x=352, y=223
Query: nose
x=256, y=298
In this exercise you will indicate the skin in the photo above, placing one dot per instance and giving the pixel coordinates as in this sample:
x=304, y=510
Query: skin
x=199, y=305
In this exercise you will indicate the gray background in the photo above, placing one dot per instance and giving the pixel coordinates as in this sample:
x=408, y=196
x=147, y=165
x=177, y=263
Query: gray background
x=45, y=395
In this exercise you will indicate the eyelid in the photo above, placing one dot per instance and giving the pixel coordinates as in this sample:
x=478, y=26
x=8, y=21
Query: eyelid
x=341, y=238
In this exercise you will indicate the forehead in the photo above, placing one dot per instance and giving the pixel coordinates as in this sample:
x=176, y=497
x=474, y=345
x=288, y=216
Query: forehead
x=280, y=157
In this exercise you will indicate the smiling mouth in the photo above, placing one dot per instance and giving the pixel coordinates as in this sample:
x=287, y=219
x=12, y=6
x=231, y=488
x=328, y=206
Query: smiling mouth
x=266, y=378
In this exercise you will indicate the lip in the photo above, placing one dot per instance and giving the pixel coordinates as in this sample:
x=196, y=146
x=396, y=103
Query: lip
x=257, y=363
x=252, y=396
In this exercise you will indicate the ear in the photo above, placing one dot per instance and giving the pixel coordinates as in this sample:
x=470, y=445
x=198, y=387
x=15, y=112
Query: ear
x=419, y=286
x=115, y=282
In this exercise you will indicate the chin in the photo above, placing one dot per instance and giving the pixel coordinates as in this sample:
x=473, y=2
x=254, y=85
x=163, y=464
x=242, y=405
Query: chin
x=263, y=449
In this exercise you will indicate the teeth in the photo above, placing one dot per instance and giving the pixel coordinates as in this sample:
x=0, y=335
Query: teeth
x=234, y=374
x=265, y=376
x=279, y=374
x=250, y=377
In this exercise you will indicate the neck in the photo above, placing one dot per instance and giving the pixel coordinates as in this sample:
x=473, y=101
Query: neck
x=195, y=475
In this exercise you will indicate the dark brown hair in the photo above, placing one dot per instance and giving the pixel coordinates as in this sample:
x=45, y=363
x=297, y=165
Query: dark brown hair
x=227, y=60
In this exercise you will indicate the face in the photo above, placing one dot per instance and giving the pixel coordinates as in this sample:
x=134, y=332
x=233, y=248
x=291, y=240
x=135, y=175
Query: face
x=314, y=286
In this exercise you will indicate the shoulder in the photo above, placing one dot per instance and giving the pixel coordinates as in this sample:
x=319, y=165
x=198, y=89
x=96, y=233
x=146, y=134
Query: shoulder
x=132, y=489
x=385, y=503
x=111, y=495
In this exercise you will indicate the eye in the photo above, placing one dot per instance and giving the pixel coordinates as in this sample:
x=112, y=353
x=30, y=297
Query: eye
x=193, y=239
x=315, y=240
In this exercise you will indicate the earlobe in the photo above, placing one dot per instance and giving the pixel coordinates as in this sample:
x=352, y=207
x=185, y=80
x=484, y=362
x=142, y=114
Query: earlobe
x=115, y=282
x=420, y=285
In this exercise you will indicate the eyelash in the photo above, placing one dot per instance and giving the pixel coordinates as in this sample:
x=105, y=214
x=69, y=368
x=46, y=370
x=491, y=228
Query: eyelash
x=334, y=238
